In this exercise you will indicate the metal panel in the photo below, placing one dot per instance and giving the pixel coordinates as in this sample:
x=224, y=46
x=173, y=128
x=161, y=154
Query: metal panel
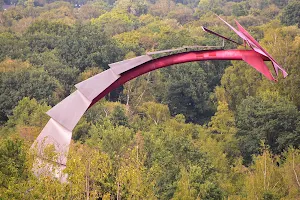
x=221, y=36
x=43, y=167
x=165, y=51
x=255, y=45
x=257, y=62
x=176, y=59
x=56, y=135
x=125, y=65
x=69, y=111
x=93, y=86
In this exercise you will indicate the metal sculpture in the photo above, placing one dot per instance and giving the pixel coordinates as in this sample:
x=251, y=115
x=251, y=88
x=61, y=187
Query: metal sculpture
x=66, y=114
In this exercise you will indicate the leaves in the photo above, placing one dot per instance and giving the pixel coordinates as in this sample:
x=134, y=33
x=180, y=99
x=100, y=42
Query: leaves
x=148, y=144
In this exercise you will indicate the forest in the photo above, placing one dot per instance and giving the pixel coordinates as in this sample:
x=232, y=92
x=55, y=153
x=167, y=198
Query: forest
x=209, y=130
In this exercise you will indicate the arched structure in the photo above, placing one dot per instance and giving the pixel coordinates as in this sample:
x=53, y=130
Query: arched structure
x=66, y=114
x=246, y=55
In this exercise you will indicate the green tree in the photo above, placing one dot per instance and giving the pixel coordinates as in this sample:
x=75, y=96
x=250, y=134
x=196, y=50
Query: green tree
x=154, y=112
x=45, y=36
x=285, y=48
x=88, y=172
x=290, y=170
x=12, y=163
x=135, y=7
x=207, y=5
x=161, y=7
x=264, y=179
x=118, y=117
x=31, y=83
x=81, y=131
x=110, y=139
x=92, y=10
x=273, y=120
x=133, y=180
x=51, y=63
x=171, y=146
x=87, y=46
x=183, y=190
x=237, y=85
x=223, y=122
x=29, y=112
x=188, y=93
x=122, y=21
x=240, y=9
x=291, y=13
x=12, y=46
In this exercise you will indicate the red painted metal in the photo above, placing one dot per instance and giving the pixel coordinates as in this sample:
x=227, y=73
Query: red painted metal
x=242, y=33
x=183, y=58
x=256, y=46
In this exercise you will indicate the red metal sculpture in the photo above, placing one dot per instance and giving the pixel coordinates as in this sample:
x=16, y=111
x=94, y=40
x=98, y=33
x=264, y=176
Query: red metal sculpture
x=66, y=114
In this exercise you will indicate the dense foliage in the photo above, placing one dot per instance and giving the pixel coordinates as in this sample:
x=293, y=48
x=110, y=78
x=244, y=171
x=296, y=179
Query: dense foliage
x=202, y=130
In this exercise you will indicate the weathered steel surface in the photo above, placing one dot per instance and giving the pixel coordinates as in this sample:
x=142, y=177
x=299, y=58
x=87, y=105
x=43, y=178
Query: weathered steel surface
x=69, y=111
x=56, y=135
x=125, y=65
x=91, y=87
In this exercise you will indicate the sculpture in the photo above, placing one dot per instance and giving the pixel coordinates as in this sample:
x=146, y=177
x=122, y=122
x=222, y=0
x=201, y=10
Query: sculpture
x=66, y=114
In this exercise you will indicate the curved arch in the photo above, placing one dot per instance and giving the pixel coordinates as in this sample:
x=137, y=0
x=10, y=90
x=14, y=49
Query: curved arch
x=178, y=59
x=66, y=114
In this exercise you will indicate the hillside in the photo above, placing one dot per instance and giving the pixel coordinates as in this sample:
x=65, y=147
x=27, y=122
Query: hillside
x=202, y=130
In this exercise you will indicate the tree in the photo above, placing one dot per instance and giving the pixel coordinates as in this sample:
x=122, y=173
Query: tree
x=264, y=179
x=283, y=43
x=147, y=88
x=122, y=21
x=31, y=83
x=272, y=120
x=291, y=13
x=51, y=63
x=92, y=10
x=156, y=113
x=118, y=116
x=239, y=81
x=290, y=170
x=135, y=7
x=188, y=93
x=87, y=46
x=29, y=112
x=223, y=122
x=12, y=163
x=44, y=35
x=183, y=14
x=112, y=140
x=115, y=112
x=171, y=146
x=211, y=5
x=63, y=13
x=81, y=131
x=88, y=172
x=12, y=46
x=161, y=7
x=183, y=190
x=133, y=180
x=240, y=9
